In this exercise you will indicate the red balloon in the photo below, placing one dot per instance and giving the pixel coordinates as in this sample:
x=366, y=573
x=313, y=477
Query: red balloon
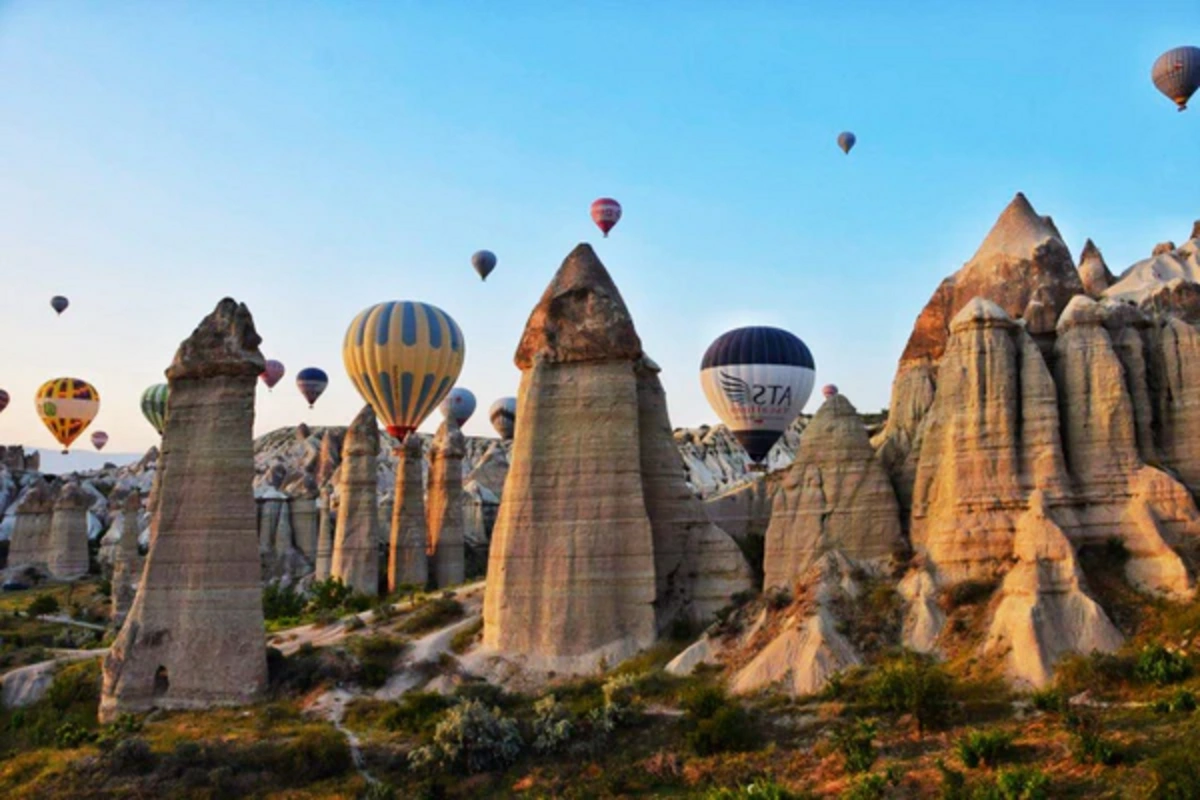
x=272, y=374
x=829, y=390
x=99, y=439
x=606, y=213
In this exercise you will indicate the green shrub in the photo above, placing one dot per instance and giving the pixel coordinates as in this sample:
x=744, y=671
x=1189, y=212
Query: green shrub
x=470, y=739
x=328, y=595
x=1021, y=783
x=1088, y=744
x=376, y=655
x=69, y=736
x=75, y=684
x=552, y=726
x=466, y=637
x=984, y=747
x=716, y=724
x=280, y=602
x=432, y=616
x=1183, y=701
x=912, y=685
x=130, y=757
x=1156, y=664
x=1176, y=772
x=417, y=712
x=856, y=743
x=1095, y=672
x=315, y=755
x=1049, y=700
x=872, y=786
x=43, y=604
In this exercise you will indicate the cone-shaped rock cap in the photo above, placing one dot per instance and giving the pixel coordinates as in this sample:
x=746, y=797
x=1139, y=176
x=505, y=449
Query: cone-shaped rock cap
x=1081, y=311
x=1196, y=230
x=72, y=497
x=449, y=440
x=224, y=343
x=1091, y=254
x=411, y=445
x=37, y=499
x=980, y=312
x=581, y=317
x=1018, y=232
x=362, y=437
x=1162, y=248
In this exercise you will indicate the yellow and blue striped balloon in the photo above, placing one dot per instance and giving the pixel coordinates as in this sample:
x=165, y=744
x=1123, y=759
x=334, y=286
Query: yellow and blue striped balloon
x=403, y=357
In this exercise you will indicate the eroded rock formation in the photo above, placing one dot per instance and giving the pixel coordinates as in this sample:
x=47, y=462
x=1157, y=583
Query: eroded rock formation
x=355, y=560
x=445, y=506
x=30, y=544
x=67, y=553
x=408, y=559
x=194, y=635
x=127, y=564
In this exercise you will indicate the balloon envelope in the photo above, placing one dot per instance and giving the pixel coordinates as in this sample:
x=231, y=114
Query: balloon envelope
x=67, y=406
x=154, y=405
x=272, y=373
x=459, y=404
x=503, y=415
x=846, y=141
x=828, y=390
x=606, y=213
x=403, y=357
x=757, y=379
x=484, y=261
x=59, y=303
x=1176, y=73
x=99, y=439
x=4, y=398
x=312, y=382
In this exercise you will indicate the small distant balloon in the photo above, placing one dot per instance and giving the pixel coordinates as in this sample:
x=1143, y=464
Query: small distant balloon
x=59, y=303
x=459, y=404
x=272, y=373
x=828, y=390
x=1176, y=73
x=4, y=398
x=503, y=415
x=606, y=213
x=99, y=439
x=311, y=382
x=846, y=141
x=154, y=405
x=67, y=406
x=484, y=261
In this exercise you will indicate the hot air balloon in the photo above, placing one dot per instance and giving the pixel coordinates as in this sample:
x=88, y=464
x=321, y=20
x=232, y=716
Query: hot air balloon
x=503, y=415
x=403, y=357
x=828, y=390
x=311, y=382
x=1176, y=73
x=154, y=406
x=99, y=439
x=59, y=303
x=757, y=380
x=67, y=406
x=484, y=261
x=846, y=141
x=460, y=404
x=4, y=398
x=273, y=372
x=606, y=213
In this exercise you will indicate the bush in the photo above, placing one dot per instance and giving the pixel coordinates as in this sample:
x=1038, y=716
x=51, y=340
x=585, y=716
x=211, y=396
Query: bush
x=912, y=685
x=280, y=602
x=1176, y=773
x=69, y=736
x=1089, y=746
x=468, y=740
x=417, y=712
x=1049, y=700
x=315, y=755
x=466, y=637
x=376, y=655
x=1156, y=664
x=75, y=684
x=869, y=787
x=130, y=757
x=716, y=724
x=984, y=747
x=1022, y=783
x=432, y=616
x=1095, y=672
x=552, y=726
x=43, y=604
x=856, y=743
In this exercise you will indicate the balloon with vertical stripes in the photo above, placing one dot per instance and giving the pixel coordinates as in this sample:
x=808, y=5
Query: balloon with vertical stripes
x=1176, y=74
x=403, y=357
x=154, y=405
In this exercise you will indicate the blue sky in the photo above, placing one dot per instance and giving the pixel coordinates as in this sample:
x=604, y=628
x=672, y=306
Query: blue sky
x=312, y=158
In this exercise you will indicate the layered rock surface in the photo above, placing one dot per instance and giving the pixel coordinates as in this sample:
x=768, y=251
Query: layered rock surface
x=194, y=635
x=408, y=554
x=355, y=558
x=445, y=507
x=67, y=549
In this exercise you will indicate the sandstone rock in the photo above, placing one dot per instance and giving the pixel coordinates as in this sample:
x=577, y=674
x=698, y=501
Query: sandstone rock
x=1093, y=272
x=409, y=551
x=923, y=617
x=571, y=573
x=323, y=566
x=703, y=651
x=445, y=505
x=1044, y=611
x=835, y=496
x=127, y=566
x=30, y=544
x=305, y=522
x=744, y=511
x=194, y=635
x=1160, y=512
x=1177, y=359
x=355, y=559
x=67, y=557
x=698, y=567
x=1167, y=282
x=1128, y=329
x=1163, y=248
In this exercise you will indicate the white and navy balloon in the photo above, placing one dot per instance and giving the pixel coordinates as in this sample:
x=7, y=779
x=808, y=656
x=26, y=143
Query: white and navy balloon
x=757, y=379
x=459, y=405
x=503, y=415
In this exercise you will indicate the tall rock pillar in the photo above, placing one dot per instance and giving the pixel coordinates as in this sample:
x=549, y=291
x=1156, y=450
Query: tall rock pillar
x=446, y=539
x=571, y=572
x=323, y=565
x=408, y=560
x=194, y=635
x=126, y=562
x=68, y=554
x=355, y=556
